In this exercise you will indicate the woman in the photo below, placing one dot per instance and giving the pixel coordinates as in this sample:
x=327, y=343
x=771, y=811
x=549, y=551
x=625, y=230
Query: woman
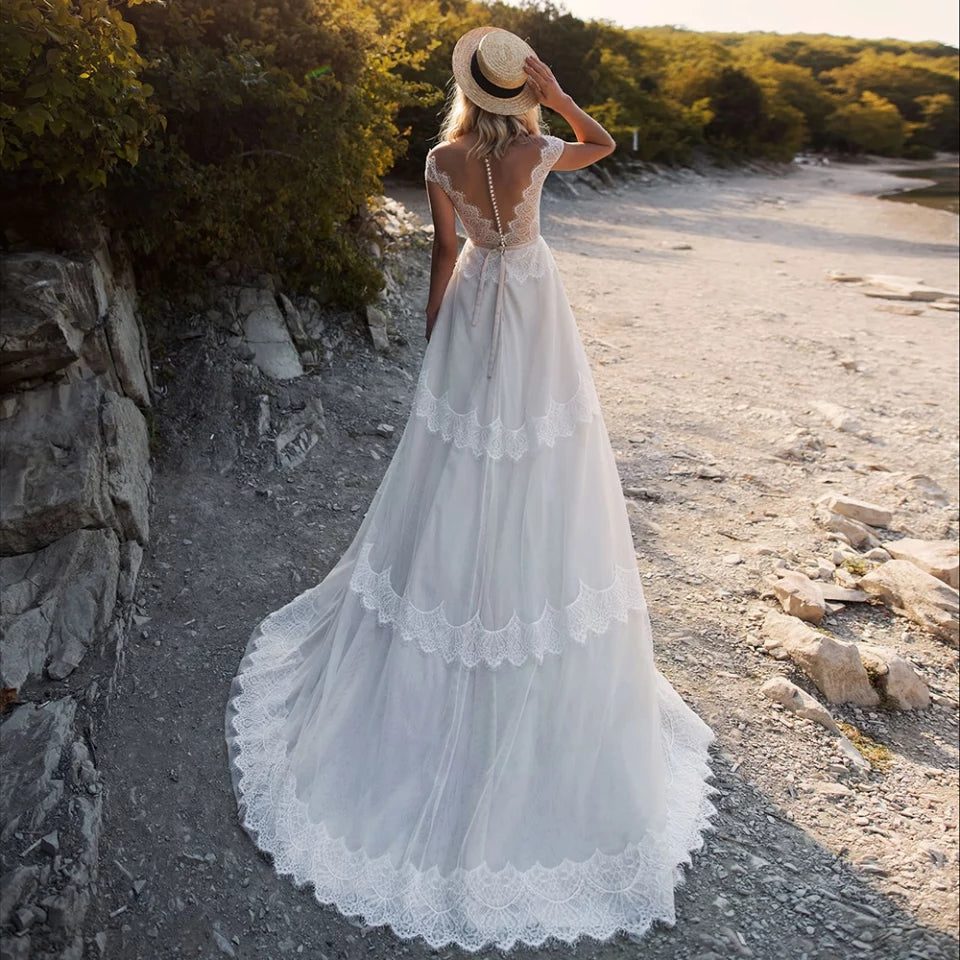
x=461, y=731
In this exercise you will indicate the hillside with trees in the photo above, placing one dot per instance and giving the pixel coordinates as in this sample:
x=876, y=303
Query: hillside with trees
x=241, y=130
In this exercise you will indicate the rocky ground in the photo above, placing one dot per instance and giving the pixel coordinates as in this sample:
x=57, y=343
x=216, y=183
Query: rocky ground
x=739, y=385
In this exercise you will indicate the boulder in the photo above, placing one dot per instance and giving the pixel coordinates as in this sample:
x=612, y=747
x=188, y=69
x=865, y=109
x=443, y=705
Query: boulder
x=58, y=311
x=377, y=325
x=36, y=738
x=939, y=558
x=899, y=685
x=915, y=594
x=55, y=604
x=800, y=597
x=74, y=456
x=48, y=305
x=129, y=352
x=781, y=690
x=300, y=434
x=295, y=324
x=867, y=513
x=833, y=665
x=265, y=332
x=127, y=448
x=55, y=467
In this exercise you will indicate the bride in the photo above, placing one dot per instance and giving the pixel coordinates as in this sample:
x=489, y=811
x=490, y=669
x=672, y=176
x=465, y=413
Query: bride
x=461, y=731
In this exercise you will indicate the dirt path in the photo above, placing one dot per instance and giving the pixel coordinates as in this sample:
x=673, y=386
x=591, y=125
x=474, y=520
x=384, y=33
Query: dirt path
x=709, y=357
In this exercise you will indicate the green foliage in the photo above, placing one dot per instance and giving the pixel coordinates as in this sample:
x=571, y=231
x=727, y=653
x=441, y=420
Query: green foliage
x=280, y=124
x=872, y=123
x=73, y=105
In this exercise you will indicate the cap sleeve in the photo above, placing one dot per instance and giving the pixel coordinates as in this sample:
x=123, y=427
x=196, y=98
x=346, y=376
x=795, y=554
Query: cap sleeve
x=430, y=171
x=551, y=150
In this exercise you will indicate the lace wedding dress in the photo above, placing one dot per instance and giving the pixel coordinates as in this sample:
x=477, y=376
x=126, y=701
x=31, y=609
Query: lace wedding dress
x=461, y=731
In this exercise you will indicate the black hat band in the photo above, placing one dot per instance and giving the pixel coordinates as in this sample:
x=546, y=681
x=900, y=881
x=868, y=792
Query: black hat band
x=502, y=93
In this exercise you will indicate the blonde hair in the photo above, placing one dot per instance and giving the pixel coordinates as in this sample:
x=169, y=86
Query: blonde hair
x=495, y=132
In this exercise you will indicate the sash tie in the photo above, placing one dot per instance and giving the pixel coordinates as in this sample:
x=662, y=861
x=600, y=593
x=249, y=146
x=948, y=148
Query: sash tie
x=498, y=310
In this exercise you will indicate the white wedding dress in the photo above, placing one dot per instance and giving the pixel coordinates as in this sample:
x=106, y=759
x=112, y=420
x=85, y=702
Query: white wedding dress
x=461, y=731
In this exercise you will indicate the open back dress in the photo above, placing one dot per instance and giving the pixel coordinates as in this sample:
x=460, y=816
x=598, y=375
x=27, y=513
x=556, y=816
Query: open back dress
x=461, y=731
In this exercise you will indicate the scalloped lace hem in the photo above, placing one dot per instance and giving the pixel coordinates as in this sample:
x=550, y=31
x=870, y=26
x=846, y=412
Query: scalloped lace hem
x=597, y=897
x=494, y=439
x=471, y=643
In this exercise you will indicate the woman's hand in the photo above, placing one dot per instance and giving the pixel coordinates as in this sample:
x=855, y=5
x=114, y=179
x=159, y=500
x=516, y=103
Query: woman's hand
x=431, y=320
x=544, y=84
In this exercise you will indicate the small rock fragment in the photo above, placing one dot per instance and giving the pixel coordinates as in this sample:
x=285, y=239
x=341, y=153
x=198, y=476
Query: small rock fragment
x=781, y=690
x=859, y=534
x=868, y=513
x=838, y=417
x=800, y=597
x=223, y=944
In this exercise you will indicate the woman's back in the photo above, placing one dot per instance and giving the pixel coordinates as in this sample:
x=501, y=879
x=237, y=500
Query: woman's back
x=517, y=178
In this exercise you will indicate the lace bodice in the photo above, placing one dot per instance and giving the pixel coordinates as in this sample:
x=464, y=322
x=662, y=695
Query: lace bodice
x=517, y=180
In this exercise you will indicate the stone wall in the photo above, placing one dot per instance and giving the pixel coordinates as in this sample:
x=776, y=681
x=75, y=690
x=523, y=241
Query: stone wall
x=75, y=382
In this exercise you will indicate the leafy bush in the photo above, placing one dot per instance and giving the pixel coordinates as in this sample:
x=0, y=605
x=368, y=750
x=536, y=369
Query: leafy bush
x=280, y=124
x=73, y=105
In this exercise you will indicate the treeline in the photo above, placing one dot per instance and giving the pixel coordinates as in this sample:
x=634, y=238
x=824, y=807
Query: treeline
x=254, y=131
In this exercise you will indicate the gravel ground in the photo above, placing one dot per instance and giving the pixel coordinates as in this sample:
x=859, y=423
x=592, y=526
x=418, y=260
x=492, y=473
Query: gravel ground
x=713, y=334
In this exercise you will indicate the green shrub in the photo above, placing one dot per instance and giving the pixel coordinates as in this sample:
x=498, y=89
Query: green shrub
x=280, y=124
x=73, y=105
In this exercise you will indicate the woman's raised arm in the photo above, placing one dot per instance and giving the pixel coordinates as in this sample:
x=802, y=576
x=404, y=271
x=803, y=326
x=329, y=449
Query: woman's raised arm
x=594, y=142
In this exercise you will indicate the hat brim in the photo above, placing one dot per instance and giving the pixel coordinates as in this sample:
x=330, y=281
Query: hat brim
x=462, y=55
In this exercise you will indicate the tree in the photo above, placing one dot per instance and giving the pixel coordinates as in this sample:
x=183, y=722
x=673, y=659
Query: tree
x=872, y=124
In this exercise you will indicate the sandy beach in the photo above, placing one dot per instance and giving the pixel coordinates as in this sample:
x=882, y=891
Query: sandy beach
x=739, y=385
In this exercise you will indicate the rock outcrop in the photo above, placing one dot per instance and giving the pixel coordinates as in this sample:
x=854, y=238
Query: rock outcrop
x=74, y=516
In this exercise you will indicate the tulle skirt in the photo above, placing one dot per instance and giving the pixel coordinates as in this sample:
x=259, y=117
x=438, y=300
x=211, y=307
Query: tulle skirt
x=461, y=731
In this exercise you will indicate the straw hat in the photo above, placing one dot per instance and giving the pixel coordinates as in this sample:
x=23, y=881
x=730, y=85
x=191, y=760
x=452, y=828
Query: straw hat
x=488, y=66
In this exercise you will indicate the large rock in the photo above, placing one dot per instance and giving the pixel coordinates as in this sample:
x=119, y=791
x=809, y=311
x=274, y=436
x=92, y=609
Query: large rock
x=34, y=740
x=51, y=787
x=857, y=533
x=55, y=604
x=899, y=685
x=800, y=597
x=833, y=665
x=55, y=468
x=73, y=457
x=127, y=448
x=58, y=311
x=377, y=325
x=781, y=690
x=47, y=306
x=939, y=558
x=265, y=332
x=129, y=352
x=915, y=594
x=867, y=513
